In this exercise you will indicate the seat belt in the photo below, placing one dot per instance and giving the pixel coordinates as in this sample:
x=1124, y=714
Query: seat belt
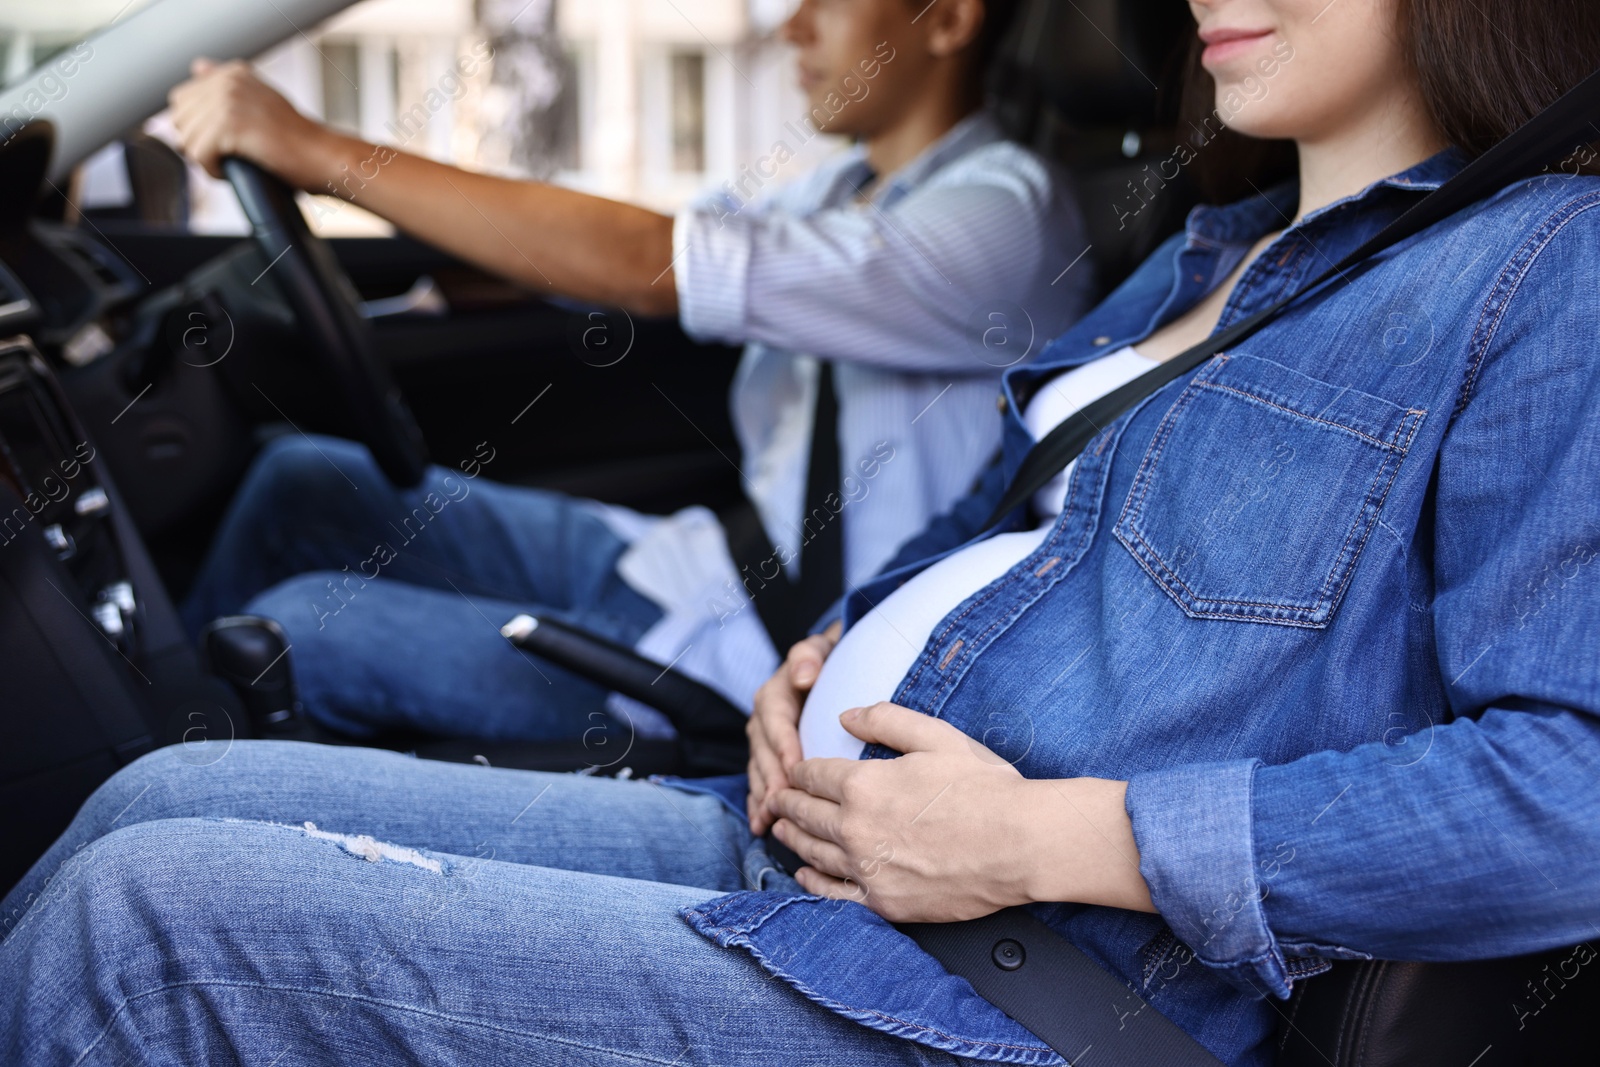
x=787, y=609
x=821, y=553
x=1013, y=960
x=1561, y=127
x=1046, y=983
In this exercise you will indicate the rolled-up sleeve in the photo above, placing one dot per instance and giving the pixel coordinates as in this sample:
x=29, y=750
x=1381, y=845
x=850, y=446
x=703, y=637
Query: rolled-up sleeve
x=1202, y=870
x=711, y=266
x=908, y=287
x=1482, y=848
x=1477, y=835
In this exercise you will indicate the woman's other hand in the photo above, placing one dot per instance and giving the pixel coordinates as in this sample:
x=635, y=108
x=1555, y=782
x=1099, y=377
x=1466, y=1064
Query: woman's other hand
x=774, y=726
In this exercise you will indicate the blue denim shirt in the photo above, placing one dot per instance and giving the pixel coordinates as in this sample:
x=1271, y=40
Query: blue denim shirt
x=1330, y=604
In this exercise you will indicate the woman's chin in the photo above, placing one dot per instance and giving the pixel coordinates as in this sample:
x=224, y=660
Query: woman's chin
x=1257, y=126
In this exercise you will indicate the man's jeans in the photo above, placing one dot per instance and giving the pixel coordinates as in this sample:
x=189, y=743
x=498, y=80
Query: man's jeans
x=392, y=600
x=285, y=903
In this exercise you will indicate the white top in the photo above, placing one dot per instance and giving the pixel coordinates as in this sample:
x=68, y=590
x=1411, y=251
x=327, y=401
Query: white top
x=907, y=295
x=870, y=661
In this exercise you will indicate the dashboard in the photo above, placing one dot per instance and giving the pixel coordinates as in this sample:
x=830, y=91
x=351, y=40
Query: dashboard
x=97, y=668
x=47, y=464
x=17, y=309
x=76, y=286
x=61, y=291
x=136, y=360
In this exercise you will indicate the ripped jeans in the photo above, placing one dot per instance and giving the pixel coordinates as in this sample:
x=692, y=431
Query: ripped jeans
x=280, y=903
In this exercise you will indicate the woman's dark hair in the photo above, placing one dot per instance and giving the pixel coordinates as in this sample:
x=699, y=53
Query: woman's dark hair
x=1484, y=68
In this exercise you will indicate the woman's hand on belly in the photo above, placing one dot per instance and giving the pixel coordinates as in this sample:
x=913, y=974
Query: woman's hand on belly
x=950, y=830
x=773, y=728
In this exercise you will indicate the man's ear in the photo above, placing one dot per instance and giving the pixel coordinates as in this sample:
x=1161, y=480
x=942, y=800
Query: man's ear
x=952, y=25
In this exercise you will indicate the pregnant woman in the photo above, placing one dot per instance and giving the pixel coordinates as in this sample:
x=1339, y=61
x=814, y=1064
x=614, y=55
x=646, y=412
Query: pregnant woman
x=1295, y=664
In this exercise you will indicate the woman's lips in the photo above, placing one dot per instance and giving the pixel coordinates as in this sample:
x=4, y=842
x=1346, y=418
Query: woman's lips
x=1223, y=45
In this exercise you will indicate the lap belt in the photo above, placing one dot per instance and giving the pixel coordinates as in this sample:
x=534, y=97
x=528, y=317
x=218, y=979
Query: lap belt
x=1012, y=960
x=1047, y=984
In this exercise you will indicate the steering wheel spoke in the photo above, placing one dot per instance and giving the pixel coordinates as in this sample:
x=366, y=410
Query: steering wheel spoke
x=328, y=309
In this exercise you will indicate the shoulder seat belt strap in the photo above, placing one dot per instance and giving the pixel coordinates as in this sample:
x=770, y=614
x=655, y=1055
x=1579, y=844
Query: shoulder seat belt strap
x=1561, y=127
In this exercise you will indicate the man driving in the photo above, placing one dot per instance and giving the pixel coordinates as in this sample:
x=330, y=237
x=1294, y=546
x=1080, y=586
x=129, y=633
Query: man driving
x=878, y=298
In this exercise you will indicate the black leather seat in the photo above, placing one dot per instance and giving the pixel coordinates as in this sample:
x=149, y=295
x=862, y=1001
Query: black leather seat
x=1537, y=1009
x=1079, y=83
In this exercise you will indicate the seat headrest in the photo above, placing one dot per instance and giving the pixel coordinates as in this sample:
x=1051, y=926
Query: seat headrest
x=1101, y=63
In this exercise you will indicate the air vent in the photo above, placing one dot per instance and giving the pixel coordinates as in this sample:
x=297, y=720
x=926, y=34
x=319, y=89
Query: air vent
x=96, y=260
x=15, y=303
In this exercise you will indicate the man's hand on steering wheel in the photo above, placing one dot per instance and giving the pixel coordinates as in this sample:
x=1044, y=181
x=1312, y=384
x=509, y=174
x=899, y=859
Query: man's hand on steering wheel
x=225, y=110
x=236, y=127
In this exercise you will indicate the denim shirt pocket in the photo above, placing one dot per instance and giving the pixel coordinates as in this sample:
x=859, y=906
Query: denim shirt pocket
x=1259, y=489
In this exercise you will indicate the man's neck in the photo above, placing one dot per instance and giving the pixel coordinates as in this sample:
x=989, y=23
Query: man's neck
x=891, y=148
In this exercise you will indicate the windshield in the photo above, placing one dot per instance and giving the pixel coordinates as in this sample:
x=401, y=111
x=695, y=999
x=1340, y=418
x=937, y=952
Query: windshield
x=32, y=33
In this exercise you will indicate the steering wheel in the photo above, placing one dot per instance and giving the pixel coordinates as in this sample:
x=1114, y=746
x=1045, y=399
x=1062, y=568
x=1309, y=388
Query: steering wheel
x=326, y=306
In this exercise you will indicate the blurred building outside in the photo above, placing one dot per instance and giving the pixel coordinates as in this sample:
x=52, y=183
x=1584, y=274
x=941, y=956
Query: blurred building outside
x=649, y=101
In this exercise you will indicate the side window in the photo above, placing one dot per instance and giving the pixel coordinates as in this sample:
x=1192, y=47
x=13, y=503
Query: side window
x=688, y=114
x=341, y=84
x=413, y=75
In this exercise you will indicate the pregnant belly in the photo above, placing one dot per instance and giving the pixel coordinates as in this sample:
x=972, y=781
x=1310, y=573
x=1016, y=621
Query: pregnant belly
x=871, y=659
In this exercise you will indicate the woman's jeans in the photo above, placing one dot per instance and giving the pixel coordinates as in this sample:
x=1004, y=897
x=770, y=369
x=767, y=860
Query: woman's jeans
x=280, y=903
x=392, y=599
